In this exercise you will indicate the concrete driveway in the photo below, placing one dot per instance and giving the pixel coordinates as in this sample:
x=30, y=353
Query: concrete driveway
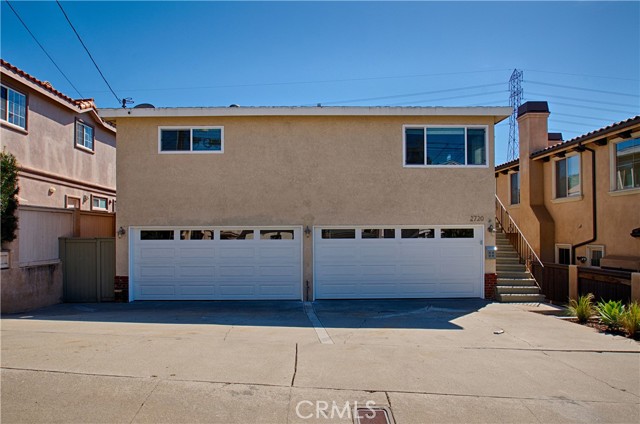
x=276, y=362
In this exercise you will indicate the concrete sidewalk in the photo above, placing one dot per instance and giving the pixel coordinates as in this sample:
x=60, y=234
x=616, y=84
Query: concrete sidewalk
x=238, y=362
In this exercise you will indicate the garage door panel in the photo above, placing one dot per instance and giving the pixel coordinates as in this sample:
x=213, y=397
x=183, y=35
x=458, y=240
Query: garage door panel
x=217, y=269
x=157, y=271
x=191, y=271
x=400, y=267
x=155, y=289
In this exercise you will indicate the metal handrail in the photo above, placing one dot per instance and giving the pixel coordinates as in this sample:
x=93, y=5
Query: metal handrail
x=512, y=224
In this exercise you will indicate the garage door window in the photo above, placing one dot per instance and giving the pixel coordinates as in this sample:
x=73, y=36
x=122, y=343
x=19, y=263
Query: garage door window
x=156, y=235
x=456, y=233
x=339, y=234
x=236, y=234
x=276, y=234
x=196, y=235
x=408, y=233
x=379, y=233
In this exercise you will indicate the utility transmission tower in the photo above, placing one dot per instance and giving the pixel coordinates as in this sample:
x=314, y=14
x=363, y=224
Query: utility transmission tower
x=515, y=98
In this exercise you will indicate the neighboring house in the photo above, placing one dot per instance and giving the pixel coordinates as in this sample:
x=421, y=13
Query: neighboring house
x=575, y=201
x=66, y=154
x=304, y=202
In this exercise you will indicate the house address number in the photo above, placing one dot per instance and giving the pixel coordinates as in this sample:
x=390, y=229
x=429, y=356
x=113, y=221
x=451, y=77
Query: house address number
x=477, y=218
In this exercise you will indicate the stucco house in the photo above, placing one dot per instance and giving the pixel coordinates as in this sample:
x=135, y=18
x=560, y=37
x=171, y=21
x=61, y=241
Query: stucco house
x=577, y=202
x=304, y=202
x=66, y=154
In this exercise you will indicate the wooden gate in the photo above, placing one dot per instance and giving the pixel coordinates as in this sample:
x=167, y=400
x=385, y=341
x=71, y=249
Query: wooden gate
x=88, y=269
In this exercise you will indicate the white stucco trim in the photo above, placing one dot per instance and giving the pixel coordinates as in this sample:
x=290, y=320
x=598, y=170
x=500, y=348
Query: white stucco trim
x=498, y=112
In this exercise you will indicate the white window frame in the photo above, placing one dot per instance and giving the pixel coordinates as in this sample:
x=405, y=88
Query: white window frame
x=613, y=166
x=69, y=197
x=5, y=119
x=568, y=197
x=190, y=128
x=425, y=127
x=95, y=208
x=84, y=125
x=594, y=248
x=519, y=189
x=562, y=246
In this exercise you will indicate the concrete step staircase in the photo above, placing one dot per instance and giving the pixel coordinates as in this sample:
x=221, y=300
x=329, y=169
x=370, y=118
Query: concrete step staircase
x=515, y=283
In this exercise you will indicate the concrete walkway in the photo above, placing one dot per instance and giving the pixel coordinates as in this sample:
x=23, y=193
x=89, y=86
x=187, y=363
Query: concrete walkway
x=264, y=362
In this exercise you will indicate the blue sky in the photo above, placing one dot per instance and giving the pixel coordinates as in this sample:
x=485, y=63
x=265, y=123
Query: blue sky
x=582, y=57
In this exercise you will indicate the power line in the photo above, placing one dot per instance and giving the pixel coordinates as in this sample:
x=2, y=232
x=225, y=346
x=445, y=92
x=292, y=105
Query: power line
x=448, y=98
x=90, y=56
x=593, y=108
x=583, y=75
x=583, y=100
x=411, y=94
x=602, y=118
x=43, y=49
x=572, y=122
x=582, y=88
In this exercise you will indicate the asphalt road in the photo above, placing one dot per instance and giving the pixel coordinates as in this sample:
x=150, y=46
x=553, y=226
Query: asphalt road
x=265, y=362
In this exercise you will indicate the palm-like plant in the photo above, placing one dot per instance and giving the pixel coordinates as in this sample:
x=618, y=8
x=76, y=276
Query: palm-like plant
x=582, y=308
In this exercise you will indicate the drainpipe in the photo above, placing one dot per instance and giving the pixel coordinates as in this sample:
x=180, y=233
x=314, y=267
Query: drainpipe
x=581, y=148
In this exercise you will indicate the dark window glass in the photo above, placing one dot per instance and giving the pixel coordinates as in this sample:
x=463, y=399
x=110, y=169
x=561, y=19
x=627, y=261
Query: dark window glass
x=564, y=256
x=236, y=234
x=476, y=150
x=339, y=234
x=156, y=235
x=515, y=188
x=175, y=140
x=207, y=139
x=596, y=255
x=378, y=233
x=414, y=146
x=196, y=235
x=416, y=233
x=445, y=146
x=4, y=103
x=561, y=178
x=276, y=234
x=456, y=233
x=628, y=164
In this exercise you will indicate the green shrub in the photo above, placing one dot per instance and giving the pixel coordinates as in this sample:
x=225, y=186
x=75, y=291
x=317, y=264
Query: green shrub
x=630, y=319
x=9, y=197
x=582, y=308
x=610, y=313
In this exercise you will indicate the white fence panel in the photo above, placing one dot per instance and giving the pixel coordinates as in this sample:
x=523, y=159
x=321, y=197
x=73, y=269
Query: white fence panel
x=39, y=230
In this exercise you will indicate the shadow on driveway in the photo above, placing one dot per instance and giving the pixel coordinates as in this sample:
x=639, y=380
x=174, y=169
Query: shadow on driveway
x=436, y=314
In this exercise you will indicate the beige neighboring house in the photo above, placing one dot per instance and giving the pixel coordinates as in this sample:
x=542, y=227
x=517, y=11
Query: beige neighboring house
x=576, y=201
x=66, y=154
x=305, y=202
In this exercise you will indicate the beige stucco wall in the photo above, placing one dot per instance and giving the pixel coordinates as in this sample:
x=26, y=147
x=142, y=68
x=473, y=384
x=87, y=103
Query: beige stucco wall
x=572, y=220
x=48, y=146
x=307, y=171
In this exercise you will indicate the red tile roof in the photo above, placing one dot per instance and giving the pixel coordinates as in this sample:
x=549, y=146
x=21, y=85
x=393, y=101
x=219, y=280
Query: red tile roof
x=46, y=85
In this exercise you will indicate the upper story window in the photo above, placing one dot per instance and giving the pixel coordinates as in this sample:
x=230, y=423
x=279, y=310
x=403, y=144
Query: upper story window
x=445, y=146
x=99, y=203
x=84, y=135
x=514, y=188
x=191, y=140
x=627, y=162
x=14, y=107
x=567, y=177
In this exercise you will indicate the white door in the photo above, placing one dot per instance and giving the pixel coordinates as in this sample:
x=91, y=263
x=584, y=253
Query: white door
x=398, y=262
x=206, y=263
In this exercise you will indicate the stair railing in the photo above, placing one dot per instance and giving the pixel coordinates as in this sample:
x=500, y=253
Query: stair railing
x=525, y=252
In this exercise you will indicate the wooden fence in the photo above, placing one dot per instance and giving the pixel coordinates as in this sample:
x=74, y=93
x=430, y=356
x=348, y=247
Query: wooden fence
x=88, y=269
x=605, y=284
x=553, y=280
x=39, y=229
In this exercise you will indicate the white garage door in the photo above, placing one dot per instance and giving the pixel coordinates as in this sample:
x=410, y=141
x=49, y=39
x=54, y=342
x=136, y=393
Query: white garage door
x=393, y=262
x=216, y=263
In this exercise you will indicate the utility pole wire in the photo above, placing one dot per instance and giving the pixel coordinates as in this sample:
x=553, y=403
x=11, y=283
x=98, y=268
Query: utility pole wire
x=87, y=50
x=43, y=49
